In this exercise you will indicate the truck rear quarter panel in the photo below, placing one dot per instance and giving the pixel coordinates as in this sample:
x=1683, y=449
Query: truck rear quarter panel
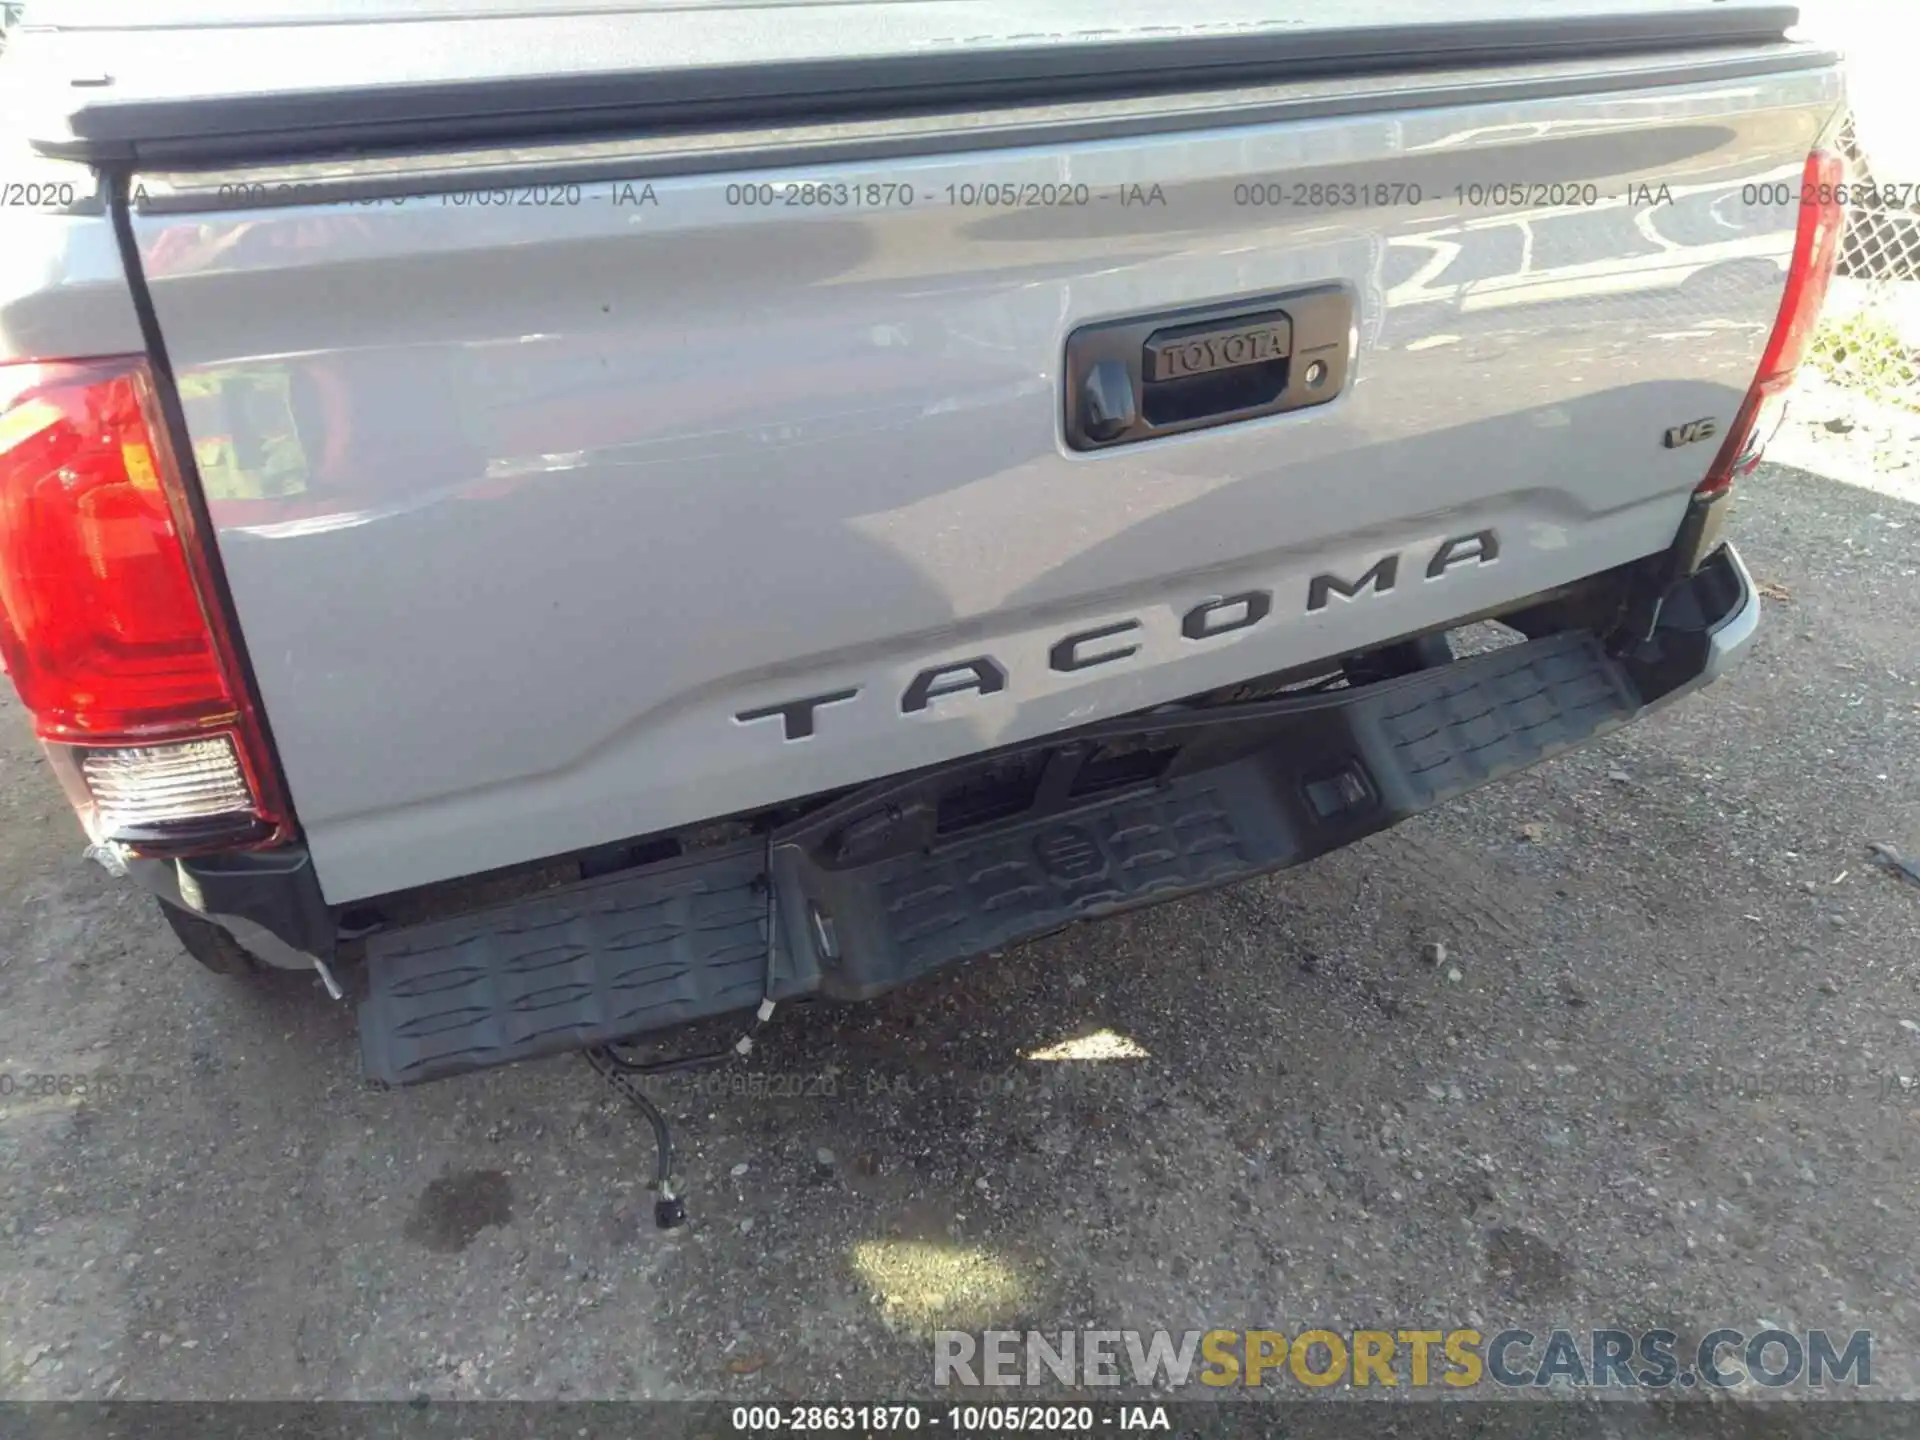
x=64, y=289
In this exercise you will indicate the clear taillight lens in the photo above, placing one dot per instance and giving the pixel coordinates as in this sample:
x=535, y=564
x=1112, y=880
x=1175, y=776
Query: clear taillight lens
x=143, y=785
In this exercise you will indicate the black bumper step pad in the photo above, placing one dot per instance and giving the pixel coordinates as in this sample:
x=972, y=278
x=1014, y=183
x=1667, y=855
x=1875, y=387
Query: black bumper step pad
x=1302, y=777
x=870, y=893
x=568, y=968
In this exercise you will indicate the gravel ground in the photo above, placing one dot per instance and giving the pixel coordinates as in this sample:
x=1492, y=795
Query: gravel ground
x=1584, y=1115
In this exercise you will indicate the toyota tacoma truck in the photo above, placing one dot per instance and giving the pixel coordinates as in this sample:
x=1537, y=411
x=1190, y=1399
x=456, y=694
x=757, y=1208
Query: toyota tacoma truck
x=572, y=519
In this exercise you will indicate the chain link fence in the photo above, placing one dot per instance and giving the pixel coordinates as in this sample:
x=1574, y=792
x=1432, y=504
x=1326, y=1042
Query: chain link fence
x=1869, y=341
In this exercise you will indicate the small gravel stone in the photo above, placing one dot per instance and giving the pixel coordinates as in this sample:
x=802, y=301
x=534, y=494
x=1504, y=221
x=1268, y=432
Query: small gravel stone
x=1434, y=953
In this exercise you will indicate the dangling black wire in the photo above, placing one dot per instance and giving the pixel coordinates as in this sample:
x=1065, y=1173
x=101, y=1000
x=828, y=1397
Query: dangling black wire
x=620, y=1072
x=668, y=1209
x=669, y=1065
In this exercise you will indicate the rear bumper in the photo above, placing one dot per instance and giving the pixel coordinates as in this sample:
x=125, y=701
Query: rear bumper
x=1728, y=638
x=884, y=886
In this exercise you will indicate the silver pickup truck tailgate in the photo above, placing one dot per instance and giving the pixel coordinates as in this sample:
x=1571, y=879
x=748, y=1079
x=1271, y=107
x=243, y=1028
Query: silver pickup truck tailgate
x=577, y=490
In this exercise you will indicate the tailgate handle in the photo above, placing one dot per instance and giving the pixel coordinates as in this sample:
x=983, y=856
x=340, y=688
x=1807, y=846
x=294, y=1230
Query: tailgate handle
x=1137, y=379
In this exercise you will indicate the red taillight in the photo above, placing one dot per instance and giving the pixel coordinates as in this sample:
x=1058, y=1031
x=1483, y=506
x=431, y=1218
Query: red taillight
x=1816, y=249
x=106, y=624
